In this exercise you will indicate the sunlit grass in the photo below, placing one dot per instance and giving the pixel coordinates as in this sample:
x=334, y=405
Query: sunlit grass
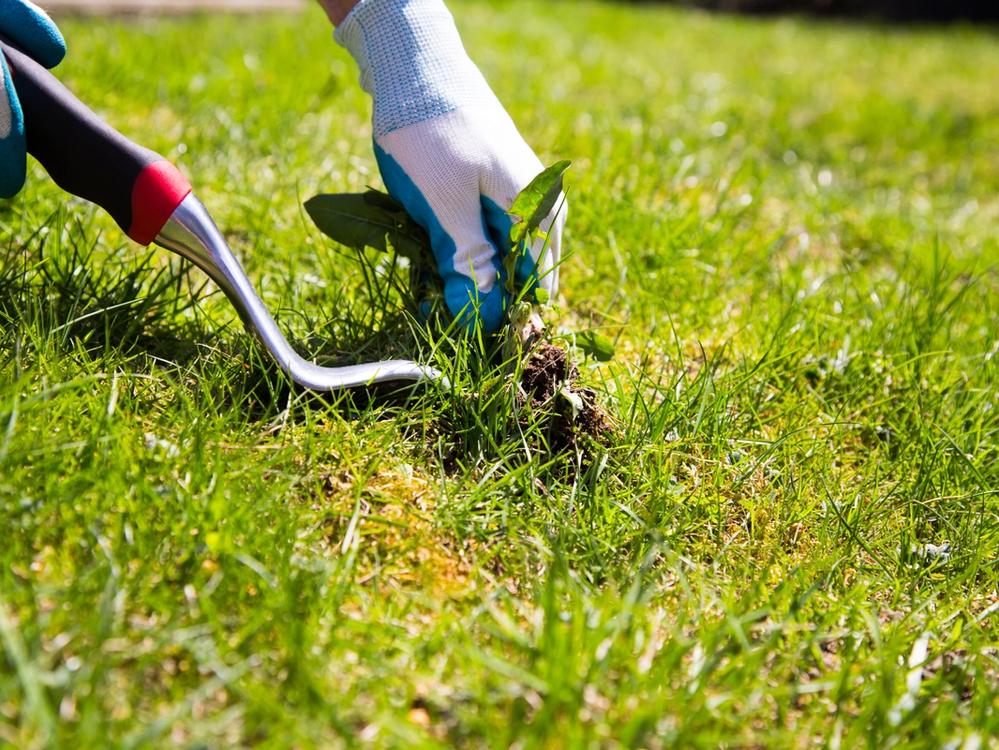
x=789, y=229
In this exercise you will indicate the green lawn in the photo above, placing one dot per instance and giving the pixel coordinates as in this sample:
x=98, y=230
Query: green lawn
x=790, y=229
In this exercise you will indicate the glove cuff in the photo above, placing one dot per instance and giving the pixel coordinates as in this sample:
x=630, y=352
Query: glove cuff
x=412, y=61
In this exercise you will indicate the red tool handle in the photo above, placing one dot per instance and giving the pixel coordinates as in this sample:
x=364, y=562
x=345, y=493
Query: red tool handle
x=90, y=159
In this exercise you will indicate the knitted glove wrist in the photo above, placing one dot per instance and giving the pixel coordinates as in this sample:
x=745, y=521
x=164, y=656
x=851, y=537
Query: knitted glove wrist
x=412, y=61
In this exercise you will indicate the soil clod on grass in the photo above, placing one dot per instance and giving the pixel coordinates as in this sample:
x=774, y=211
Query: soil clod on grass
x=550, y=381
x=547, y=368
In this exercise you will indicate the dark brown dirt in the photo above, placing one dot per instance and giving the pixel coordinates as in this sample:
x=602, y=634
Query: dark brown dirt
x=548, y=371
x=547, y=368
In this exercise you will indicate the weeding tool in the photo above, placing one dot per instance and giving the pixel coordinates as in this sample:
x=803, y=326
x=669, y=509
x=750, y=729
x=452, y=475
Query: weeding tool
x=153, y=202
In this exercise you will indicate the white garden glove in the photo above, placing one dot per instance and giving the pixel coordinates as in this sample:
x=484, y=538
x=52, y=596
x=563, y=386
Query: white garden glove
x=449, y=152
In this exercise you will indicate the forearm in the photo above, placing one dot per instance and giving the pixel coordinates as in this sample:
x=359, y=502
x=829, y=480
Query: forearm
x=337, y=10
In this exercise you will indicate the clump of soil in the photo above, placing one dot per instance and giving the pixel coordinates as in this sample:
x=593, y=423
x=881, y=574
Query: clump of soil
x=550, y=381
x=548, y=368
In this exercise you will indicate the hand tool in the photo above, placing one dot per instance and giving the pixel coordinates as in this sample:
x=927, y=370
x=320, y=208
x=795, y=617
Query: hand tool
x=153, y=202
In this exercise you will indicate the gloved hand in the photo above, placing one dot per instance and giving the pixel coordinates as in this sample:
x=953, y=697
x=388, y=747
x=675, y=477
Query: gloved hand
x=27, y=27
x=448, y=151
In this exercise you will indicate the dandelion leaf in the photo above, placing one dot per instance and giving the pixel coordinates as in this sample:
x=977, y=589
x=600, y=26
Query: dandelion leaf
x=536, y=201
x=371, y=219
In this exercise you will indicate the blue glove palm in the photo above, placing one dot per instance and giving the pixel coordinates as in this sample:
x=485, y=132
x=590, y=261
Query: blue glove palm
x=26, y=26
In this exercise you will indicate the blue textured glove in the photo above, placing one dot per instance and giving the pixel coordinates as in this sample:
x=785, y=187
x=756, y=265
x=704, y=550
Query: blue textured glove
x=26, y=26
x=449, y=152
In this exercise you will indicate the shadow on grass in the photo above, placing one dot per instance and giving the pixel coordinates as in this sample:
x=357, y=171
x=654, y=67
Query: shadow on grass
x=63, y=296
x=58, y=293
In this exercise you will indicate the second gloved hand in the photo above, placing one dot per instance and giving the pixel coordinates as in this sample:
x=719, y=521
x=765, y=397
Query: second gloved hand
x=26, y=26
x=449, y=152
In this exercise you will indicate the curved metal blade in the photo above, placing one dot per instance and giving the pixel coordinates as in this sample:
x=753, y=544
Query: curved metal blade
x=192, y=233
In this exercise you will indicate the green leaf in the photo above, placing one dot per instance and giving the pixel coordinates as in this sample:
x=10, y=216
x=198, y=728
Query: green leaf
x=372, y=219
x=599, y=347
x=384, y=201
x=536, y=201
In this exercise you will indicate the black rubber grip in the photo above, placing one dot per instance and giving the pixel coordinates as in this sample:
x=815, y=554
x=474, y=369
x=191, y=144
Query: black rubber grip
x=83, y=154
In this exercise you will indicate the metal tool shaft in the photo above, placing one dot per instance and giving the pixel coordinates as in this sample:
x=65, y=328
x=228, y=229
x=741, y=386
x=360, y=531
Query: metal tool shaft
x=191, y=233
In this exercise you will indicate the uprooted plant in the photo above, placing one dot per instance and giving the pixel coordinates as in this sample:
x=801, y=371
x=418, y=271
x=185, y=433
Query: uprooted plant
x=542, y=367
